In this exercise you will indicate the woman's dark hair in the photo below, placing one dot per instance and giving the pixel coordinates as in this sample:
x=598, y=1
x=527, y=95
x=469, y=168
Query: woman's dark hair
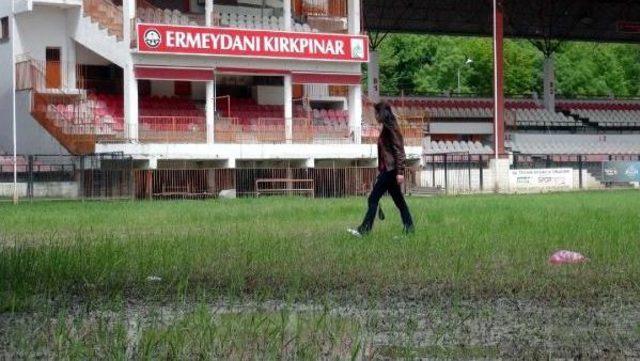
x=383, y=111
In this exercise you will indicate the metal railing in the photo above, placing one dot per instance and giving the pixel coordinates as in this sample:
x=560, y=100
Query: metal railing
x=186, y=130
x=272, y=130
x=322, y=182
x=172, y=129
x=455, y=173
x=104, y=176
x=413, y=134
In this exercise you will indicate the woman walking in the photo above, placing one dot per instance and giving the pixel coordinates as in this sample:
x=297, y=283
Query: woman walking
x=391, y=165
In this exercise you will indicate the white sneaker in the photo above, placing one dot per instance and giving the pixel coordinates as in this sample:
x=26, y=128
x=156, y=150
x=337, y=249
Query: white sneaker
x=354, y=232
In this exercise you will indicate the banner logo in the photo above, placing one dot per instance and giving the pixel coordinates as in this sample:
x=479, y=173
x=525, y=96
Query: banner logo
x=152, y=38
x=357, y=48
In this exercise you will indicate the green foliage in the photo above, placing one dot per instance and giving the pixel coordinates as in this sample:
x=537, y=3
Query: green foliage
x=429, y=64
x=597, y=70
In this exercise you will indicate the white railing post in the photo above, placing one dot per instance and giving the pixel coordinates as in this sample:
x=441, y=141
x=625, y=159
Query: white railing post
x=208, y=13
x=130, y=103
x=355, y=112
x=210, y=111
x=353, y=16
x=128, y=14
x=286, y=13
x=288, y=108
x=355, y=91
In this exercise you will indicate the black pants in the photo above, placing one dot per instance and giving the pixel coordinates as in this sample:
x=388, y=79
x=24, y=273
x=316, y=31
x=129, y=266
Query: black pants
x=386, y=182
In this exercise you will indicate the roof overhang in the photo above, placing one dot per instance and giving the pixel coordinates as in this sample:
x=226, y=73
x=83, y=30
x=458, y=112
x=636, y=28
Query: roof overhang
x=588, y=20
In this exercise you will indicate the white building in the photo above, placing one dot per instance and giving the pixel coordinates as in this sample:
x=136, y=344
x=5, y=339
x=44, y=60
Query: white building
x=167, y=80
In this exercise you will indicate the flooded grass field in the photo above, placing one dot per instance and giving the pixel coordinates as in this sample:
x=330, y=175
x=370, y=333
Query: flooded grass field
x=281, y=279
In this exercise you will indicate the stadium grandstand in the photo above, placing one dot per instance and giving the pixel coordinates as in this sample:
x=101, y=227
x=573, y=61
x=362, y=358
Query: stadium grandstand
x=166, y=86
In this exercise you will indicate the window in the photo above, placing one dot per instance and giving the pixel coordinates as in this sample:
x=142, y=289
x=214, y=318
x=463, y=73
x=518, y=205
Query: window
x=4, y=28
x=52, y=54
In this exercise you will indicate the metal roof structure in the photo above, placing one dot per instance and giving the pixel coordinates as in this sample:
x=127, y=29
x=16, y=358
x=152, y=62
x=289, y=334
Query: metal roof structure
x=589, y=20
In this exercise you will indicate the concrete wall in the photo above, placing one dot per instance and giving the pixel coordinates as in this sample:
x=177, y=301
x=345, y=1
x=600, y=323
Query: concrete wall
x=45, y=26
x=195, y=8
x=167, y=88
x=162, y=88
x=268, y=94
x=199, y=90
x=85, y=56
x=64, y=190
x=49, y=26
x=250, y=151
x=32, y=137
x=249, y=63
x=460, y=128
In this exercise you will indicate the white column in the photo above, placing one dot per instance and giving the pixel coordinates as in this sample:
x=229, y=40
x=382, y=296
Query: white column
x=286, y=13
x=71, y=65
x=499, y=169
x=355, y=91
x=130, y=103
x=128, y=13
x=288, y=108
x=210, y=110
x=355, y=112
x=208, y=12
x=373, y=77
x=354, y=16
x=549, y=97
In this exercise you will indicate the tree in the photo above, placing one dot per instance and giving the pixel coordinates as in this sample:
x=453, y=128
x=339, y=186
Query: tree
x=429, y=64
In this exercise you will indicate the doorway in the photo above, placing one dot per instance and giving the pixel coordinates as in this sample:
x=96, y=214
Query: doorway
x=53, y=68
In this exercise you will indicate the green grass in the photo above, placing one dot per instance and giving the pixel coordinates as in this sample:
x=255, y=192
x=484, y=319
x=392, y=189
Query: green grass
x=470, y=247
x=473, y=282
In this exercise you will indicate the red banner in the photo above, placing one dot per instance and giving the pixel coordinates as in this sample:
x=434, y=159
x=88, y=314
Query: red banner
x=191, y=40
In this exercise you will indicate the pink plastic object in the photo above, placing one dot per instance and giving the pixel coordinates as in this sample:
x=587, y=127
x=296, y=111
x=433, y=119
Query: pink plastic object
x=567, y=257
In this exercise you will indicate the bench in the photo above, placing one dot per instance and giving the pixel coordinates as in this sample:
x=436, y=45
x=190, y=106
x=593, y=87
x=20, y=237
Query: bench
x=187, y=191
x=425, y=191
x=285, y=186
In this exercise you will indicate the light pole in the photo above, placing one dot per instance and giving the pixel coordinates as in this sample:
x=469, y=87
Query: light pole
x=12, y=35
x=467, y=62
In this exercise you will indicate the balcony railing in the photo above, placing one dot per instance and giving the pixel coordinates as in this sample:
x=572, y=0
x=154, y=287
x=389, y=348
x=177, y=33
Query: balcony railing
x=172, y=129
x=412, y=134
x=327, y=16
x=192, y=130
x=261, y=130
x=307, y=15
x=272, y=131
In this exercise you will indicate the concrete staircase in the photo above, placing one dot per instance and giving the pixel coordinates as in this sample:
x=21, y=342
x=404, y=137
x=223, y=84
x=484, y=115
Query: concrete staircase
x=73, y=143
x=590, y=179
x=99, y=29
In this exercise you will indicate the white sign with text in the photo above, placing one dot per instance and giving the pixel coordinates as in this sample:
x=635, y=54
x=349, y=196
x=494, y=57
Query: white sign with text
x=541, y=179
